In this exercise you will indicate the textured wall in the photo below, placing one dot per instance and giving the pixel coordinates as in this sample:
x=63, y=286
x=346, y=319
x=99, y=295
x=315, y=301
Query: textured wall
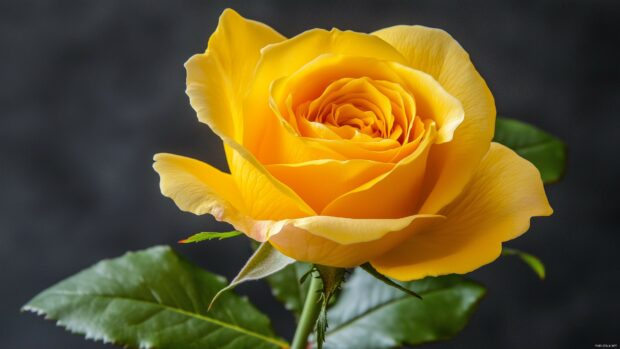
x=91, y=89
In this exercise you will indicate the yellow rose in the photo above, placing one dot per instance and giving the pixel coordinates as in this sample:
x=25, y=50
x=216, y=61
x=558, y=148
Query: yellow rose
x=346, y=148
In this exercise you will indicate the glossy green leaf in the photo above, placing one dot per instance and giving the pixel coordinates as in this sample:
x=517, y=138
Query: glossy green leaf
x=287, y=286
x=210, y=236
x=532, y=261
x=154, y=299
x=372, y=315
x=265, y=261
x=546, y=152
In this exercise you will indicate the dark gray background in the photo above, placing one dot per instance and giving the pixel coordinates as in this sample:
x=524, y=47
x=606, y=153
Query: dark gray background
x=92, y=89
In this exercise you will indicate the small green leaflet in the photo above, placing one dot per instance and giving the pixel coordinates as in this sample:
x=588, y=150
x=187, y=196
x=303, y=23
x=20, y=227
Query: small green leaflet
x=265, y=261
x=154, y=299
x=532, y=261
x=210, y=236
x=546, y=152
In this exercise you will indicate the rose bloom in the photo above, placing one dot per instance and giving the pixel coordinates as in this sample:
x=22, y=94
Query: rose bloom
x=346, y=148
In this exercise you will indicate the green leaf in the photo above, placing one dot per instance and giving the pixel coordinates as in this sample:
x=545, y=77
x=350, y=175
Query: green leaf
x=532, y=261
x=265, y=261
x=546, y=152
x=373, y=272
x=372, y=315
x=154, y=299
x=287, y=286
x=210, y=236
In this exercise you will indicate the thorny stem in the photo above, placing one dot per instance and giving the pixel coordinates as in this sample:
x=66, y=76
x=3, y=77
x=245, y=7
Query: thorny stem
x=309, y=313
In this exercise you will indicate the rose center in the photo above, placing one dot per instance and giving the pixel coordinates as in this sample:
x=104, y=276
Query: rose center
x=376, y=105
x=360, y=109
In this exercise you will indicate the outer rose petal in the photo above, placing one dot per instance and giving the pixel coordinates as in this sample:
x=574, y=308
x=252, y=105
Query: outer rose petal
x=496, y=206
x=344, y=242
x=452, y=164
x=201, y=189
x=216, y=82
x=217, y=79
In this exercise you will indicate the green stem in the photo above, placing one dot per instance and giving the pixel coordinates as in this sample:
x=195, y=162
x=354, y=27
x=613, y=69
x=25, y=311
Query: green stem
x=309, y=314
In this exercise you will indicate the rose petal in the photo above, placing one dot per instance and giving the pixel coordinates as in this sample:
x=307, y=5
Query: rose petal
x=266, y=136
x=217, y=79
x=496, y=206
x=344, y=242
x=200, y=189
x=391, y=195
x=319, y=182
x=265, y=197
x=243, y=200
x=452, y=164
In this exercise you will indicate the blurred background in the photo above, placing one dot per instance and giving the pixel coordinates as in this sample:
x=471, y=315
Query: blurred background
x=91, y=89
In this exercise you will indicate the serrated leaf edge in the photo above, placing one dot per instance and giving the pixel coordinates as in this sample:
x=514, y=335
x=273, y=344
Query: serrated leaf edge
x=165, y=307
